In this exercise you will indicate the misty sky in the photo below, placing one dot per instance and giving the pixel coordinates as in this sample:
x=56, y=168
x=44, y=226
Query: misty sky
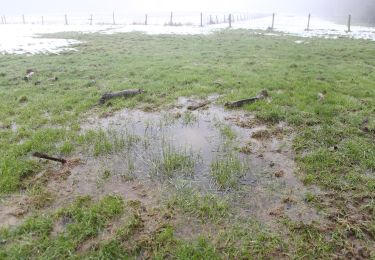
x=103, y=6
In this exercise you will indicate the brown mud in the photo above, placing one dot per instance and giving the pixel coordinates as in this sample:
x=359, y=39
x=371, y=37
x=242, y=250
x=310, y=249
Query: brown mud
x=268, y=189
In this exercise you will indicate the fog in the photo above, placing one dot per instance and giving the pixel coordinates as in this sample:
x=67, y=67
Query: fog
x=360, y=9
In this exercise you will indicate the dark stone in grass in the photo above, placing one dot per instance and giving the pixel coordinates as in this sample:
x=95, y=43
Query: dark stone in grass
x=333, y=148
x=23, y=99
x=53, y=79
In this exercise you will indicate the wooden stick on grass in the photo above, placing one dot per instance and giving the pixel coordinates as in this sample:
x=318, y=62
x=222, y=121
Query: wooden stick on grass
x=47, y=157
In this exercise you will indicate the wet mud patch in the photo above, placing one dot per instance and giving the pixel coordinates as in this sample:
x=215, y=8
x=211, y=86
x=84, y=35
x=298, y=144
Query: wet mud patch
x=213, y=150
x=143, y=156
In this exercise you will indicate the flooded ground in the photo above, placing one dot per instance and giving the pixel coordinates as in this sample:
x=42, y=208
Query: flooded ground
x=212, y=150
x=28, y=38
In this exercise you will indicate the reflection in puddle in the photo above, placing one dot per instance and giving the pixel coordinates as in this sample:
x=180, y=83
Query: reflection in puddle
x=179, y=137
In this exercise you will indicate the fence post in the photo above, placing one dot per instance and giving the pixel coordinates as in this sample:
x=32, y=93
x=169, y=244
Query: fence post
x=113, y=18
x=308, y=23
x=171, y=20
x=90, y=19
x=273, y=21
x=66, y=20
x=349, y=22
x=146, y=19
x=230, y=20
x=201, y=19
x=23, y=19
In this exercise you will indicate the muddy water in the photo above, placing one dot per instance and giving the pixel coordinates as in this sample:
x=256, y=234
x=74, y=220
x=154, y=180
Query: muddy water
x=267, y=190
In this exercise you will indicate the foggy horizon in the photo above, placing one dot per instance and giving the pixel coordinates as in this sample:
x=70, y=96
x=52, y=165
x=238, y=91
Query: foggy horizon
x=319, y=7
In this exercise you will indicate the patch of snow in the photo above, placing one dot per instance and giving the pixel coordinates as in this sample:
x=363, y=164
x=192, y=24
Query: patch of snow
x=27, y=39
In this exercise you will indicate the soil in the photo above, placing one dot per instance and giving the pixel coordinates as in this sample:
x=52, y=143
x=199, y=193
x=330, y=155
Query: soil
x=269, y=188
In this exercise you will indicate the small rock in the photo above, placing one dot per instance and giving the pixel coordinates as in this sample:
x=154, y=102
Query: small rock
x=288, y=200
x=23, y=99
x=277, y=212
x=18, y=212
x=272, y=164
x=321, y=96
x=333, y=148
x=279, y=174
x=53, y=79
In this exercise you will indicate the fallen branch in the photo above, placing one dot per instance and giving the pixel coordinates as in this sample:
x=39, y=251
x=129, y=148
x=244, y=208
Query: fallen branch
x=198, y=105
x=262, y=95
x=45, y=156
x=125, y=93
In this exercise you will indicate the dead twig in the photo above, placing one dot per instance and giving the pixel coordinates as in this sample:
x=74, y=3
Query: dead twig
x=47, y=157
x=262, y=95
x=198, y=105
x=125, y=93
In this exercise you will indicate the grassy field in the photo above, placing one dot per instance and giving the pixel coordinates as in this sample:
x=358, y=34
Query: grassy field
x=334, y=143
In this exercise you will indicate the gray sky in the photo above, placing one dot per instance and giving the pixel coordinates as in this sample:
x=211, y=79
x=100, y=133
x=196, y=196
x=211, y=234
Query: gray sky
x=328, y=7
x=73, y=6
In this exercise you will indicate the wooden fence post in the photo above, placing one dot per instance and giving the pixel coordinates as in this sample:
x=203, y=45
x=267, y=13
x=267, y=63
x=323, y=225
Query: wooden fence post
x=23, y=19
x=308, y=23
x=201, y=19
x=66, y=20
x=113, y=18
x=171, y=20
x=146, y=19
x=349, y=23
x=230, y=20
x=273, y=21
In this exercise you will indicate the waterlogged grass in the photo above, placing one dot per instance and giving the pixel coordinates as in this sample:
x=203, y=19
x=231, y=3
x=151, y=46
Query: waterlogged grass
x=334, y=136
x=174, y=161
x=227, y=171
x=205, y=207
x=103, y=142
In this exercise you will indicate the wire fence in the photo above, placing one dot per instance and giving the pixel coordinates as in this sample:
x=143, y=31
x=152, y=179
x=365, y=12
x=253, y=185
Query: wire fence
x=172, y=18
x=162, y=18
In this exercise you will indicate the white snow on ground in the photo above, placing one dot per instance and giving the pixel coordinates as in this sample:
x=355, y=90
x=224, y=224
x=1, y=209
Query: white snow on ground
x=26, y=39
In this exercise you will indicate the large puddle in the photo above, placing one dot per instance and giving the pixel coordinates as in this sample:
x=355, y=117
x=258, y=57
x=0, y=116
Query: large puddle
x=159, y=150
x=265, y=188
